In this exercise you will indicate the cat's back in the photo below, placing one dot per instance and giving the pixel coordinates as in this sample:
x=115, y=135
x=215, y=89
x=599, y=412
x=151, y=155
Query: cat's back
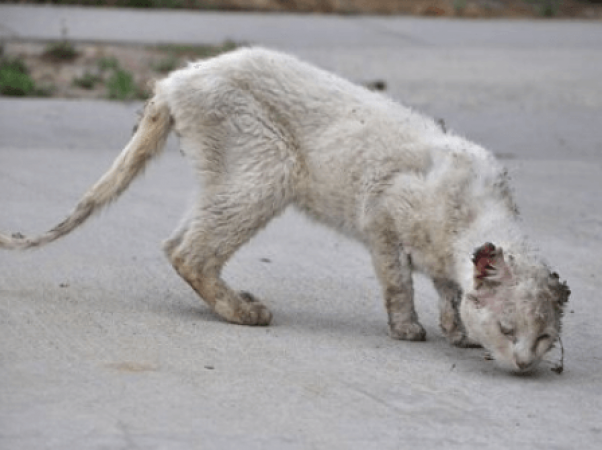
x=253, y=69
x=329, y=117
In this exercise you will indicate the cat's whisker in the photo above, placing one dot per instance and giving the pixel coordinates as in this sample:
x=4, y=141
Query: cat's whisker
x=559, y=367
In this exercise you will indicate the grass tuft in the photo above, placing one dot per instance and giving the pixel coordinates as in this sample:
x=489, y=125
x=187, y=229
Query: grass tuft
x=87, y=81
x=14, y=78
x=62, y=51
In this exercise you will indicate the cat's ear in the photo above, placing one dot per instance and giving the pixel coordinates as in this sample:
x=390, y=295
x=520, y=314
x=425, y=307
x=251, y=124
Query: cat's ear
x=559, y=288
x=490, y=266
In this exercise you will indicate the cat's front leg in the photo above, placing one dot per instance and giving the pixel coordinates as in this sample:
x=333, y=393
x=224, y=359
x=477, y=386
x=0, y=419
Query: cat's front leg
x=450, y=296
x=394, y=271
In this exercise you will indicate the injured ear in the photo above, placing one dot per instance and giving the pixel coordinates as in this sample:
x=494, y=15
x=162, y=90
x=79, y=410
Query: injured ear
x=489, y=265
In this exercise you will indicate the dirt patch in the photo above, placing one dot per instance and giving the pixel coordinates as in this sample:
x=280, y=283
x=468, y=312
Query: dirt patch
x=122, y=72
x=113, y=71
x=126, y=72
x=465, y=8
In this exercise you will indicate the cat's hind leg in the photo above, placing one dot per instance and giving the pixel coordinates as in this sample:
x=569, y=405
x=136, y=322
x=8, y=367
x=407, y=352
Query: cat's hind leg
x=220, y=225
x=172, y=243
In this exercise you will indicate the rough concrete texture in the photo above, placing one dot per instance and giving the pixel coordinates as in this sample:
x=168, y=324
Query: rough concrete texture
x=102, y=346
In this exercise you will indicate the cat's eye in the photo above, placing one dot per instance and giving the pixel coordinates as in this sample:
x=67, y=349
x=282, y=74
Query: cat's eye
x=507, y=331
x=541, y=340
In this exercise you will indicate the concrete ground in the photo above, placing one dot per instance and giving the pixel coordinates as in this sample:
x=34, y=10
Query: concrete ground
x=102, y=346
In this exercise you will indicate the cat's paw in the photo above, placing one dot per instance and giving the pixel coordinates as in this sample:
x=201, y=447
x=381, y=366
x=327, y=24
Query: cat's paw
x=464, y=342
x=410, y=331
x=244, y=309
x=458, y=338
x=256, y=312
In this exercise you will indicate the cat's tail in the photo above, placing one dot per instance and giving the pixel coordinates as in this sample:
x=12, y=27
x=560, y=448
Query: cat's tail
x=147, y=142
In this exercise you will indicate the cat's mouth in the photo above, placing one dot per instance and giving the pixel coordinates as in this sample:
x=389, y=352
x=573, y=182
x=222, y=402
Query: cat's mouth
x=525, y=365
x=512, y=363
x=526, y=368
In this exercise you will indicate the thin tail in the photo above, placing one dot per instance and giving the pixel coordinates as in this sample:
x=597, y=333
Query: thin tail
x=148, y=141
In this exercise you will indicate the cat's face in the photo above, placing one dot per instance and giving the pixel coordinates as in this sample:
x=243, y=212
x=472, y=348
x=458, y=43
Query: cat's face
x=514, y=312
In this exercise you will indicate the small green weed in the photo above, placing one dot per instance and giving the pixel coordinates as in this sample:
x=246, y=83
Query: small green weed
x=549, y=8
x=14, y=78
x=15, y=84
x=546, y=8
x=108, y=63
x=121, y=86
x=154, y=3
x=459, y=6
x=166, y=64
x=199, y=51
x=61, y=51
x=87, y=81
x=14, y=64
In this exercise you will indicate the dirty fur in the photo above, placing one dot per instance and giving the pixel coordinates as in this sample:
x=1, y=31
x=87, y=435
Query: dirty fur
x=265, y=131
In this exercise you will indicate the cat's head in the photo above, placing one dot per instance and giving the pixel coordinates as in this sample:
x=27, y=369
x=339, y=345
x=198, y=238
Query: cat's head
x=515, y=307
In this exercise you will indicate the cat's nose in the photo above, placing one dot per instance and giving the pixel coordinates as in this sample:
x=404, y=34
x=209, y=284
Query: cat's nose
x=523, y=364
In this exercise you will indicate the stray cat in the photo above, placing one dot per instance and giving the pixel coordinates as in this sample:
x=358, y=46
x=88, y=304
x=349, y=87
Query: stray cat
x=265, y=131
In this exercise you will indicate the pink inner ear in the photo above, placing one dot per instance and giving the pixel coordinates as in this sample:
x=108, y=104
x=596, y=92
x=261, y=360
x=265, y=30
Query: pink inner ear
x=483, y=259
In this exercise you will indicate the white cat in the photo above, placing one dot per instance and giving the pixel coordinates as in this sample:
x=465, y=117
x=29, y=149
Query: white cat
x=265, y=131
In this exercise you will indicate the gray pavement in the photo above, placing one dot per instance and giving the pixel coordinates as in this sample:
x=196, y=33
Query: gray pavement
x=102, y=346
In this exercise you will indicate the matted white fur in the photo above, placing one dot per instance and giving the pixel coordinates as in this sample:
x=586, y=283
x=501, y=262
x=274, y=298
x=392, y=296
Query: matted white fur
x=266, y=131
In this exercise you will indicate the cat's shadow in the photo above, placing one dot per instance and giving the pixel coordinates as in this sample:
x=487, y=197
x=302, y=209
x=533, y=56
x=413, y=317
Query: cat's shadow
x=317, y=323
x=297, y=319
